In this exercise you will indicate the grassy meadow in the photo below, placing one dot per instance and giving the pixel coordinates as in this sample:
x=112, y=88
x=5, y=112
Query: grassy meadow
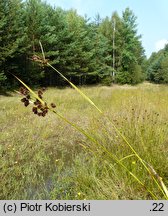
x=46, y=158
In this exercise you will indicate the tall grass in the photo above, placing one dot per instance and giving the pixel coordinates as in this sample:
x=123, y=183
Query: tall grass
x=155, y=177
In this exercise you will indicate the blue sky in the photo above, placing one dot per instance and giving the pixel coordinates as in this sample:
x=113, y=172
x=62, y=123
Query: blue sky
x=152, y=16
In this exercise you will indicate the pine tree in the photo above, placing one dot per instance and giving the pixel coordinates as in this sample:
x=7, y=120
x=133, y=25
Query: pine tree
x=132, y=54
x=83, y=51
x=75, y=48
x=12, y=36
x=125, y=46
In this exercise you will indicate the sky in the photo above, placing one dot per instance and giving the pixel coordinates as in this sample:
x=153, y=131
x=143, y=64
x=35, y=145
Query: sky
x=152, y=16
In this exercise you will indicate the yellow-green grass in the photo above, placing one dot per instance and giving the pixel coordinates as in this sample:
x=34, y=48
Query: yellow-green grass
x=45, y=158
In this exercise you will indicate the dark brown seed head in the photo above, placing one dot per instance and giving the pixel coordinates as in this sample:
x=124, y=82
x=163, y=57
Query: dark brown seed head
x=53, y=105
x=23, y=100
x=39, y=106
x=34, y=109
x=28, y=96
x=43, y=114
x=23, y=91
x=42, y=109
x=26, y=103
x=43, y=89
x=46, y=110
x=37, y=102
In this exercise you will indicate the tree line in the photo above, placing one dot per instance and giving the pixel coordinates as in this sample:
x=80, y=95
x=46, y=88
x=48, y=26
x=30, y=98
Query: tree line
x=102, y=50
x=157, y=66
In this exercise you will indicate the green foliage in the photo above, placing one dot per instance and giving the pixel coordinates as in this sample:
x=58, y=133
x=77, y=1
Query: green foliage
x=2, y=80
x=136, y=74
x=106, y=80
x=164, y=69
x=81, y=49
x=132, y=54
x=128, y=50
x=133, y=76
x=12, y=38
x=157, y=66
x=2, y=77
x=123, y=77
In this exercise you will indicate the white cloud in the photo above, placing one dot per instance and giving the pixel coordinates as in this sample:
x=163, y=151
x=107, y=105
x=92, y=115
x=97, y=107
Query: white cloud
x=160, y=44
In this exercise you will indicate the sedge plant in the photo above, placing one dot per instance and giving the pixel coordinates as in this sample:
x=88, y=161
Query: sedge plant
x=42, y=105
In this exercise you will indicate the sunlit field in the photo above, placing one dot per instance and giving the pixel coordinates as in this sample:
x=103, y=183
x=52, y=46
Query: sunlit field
x=46, y=158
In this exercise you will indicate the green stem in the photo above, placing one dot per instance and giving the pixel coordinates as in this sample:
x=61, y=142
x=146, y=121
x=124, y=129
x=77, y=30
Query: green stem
x=104, y=149
x=116, y=129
